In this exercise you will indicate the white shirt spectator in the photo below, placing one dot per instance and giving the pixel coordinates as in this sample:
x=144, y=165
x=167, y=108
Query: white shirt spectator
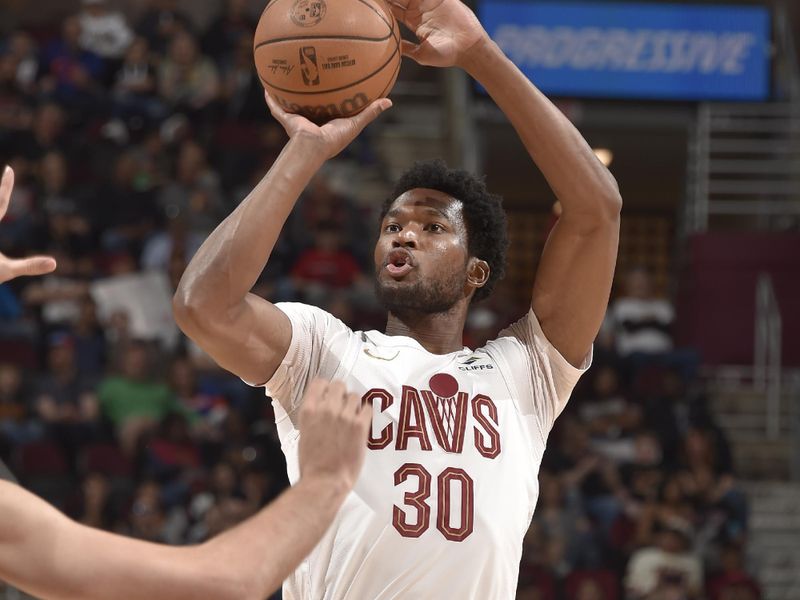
x=105, y=33
x=652, y=569
x=642, y=325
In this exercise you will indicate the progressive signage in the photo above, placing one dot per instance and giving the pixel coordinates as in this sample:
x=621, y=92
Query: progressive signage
x=647, y=51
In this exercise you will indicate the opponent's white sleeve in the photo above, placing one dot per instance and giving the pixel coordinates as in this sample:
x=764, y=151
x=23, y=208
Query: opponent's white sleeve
x=320, y=342
x=542, y=377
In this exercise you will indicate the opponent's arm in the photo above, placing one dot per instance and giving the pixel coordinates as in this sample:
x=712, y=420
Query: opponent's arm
x=213, y=304
x=11, y=268
x=577, y=266
x=48, y=555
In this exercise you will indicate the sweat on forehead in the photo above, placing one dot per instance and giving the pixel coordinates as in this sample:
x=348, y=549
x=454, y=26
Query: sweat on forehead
x=431, y=201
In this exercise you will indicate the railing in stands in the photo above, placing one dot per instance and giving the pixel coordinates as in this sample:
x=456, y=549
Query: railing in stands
x=767, y=369
x=744, y=158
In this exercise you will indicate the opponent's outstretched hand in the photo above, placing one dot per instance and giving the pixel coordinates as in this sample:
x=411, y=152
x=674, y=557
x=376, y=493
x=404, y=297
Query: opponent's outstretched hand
x=9, y=267
x=333, y=434
x=446, y=29
x=334, y=136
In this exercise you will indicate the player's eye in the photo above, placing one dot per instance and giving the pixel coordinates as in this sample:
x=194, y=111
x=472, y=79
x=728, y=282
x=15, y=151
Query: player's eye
x=436, y=228
x=392, y=228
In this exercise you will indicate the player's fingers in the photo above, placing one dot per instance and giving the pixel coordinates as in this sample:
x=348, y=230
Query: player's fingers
x=369, y=114
x=275, y=108
x=364, y=412
x=6, y=185
x=399, y=9
x=315, y=392
x=35, y=265
x=337, y=395
x=410, y=49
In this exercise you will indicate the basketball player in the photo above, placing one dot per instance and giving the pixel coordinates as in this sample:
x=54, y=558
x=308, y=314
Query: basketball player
x=450, y=479
x=46, y=554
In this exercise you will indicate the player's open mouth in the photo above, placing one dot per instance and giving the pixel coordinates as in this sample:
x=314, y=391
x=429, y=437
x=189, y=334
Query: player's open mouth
x=399, y=263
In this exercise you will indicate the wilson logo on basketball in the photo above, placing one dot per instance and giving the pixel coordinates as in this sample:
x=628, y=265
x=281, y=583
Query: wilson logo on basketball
x=308, y=65
x=325, y=112
x=307, y=13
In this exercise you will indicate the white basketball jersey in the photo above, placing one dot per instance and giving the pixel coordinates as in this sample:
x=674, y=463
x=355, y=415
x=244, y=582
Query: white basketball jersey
x=450, y=483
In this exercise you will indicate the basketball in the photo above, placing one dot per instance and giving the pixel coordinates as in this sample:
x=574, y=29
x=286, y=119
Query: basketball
x=325, y=59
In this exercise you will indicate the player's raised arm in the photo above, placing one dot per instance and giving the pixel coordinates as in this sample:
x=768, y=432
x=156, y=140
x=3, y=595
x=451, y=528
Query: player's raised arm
x=573, y=284
x=213, y=304
x=46, y=554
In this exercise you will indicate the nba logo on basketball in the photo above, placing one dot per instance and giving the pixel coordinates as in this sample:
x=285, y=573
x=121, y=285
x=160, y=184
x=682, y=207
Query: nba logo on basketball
x=308, y=65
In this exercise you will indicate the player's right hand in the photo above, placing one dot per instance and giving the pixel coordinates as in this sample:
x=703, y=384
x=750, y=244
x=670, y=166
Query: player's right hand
x=332, y=137
x=333, y=434
x=9, y=267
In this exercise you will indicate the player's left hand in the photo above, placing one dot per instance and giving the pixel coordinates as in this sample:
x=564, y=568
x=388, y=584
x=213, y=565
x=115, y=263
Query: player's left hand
x=446, y=29
x=9, y=267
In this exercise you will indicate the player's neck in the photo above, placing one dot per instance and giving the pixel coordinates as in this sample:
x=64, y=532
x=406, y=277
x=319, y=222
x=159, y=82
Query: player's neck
x=439, y=333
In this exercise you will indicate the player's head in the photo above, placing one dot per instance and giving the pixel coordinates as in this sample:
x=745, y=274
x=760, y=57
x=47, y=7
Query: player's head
x=443, y=238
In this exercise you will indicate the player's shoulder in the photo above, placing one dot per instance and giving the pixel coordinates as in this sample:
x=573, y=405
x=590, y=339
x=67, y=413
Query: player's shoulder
x=312, y=318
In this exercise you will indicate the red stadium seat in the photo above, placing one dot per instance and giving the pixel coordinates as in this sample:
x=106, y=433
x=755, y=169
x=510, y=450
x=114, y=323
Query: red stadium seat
x=41, y=459
x=107, y=459
x=605, y=581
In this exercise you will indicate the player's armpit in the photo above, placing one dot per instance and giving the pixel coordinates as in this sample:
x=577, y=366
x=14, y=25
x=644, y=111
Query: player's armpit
x=249, y=340
x=573, y=284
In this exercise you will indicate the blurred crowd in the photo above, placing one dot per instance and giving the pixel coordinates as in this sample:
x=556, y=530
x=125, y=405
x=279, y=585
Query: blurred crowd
x=130, y=142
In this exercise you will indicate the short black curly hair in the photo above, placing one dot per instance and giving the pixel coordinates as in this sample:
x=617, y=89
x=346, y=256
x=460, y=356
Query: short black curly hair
x=487, y=228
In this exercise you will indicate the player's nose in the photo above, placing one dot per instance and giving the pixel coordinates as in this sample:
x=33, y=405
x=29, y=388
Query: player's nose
x=407, y=238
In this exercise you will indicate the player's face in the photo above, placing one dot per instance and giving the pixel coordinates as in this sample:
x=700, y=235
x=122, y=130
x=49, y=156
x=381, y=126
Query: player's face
x=421, y=255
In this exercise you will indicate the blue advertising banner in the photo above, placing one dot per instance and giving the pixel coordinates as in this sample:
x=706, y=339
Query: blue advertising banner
x=655, y=51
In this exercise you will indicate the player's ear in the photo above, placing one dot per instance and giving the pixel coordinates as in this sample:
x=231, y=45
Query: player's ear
x=478, y=272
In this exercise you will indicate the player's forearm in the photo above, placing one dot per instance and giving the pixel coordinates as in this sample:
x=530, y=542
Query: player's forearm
x=268, y=547
x=579, y=180
x=46, y=554
x=230, y=261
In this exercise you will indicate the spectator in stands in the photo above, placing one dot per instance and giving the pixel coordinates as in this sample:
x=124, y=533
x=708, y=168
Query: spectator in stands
x=66, y=225
x=160, y=22
x=124, y=210
x=135, y=91
x=666, y=570
x=133, y=401
x=46, y=134
x=104, y=32
x=194, y=195
x=59, y=295
x=241, y=92
x=149, y=519
x=208, y=410
x=707, y=480
x=96, y=509
x=586, y=472
x=73, y=75
x=21, y=57
x=90, y=342
x=14, y=425
x=65, y=399
x=174, y=459
x=566, y=537
x=187, y=80
x=225, y=34
x=326, y=264
x=642, y=322
x=732, y=582
x=606, y=411
x=641, y=325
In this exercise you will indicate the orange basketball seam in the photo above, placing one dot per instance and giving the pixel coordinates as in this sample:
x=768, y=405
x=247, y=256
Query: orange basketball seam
x=344, y=87
x=391, y=25
x=324, y=37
